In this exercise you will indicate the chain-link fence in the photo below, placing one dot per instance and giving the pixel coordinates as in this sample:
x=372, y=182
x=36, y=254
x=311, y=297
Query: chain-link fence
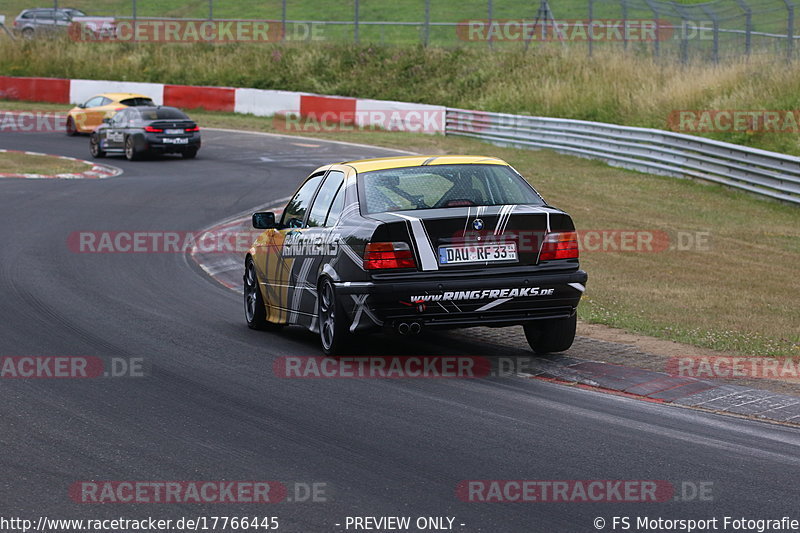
x=713, y=30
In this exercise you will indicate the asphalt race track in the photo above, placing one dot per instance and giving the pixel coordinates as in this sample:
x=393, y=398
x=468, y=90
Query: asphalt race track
x=210, y=408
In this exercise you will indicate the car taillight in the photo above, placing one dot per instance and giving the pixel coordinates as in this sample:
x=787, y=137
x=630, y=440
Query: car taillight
x=559, y=246
x=388, y=255
x=196, y=128
x=151, y=129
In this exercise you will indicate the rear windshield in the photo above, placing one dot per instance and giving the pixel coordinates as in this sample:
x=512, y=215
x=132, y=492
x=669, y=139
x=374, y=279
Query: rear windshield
x=133, y=102
x=437, y=186
x=163, y=113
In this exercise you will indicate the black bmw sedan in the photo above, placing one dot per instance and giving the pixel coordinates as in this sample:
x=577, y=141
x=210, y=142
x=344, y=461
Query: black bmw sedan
x=411, y=243
x=139, y=131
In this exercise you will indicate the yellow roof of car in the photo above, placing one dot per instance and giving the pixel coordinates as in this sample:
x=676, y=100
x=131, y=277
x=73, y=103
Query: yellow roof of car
x=122, y=96
x=367, y=165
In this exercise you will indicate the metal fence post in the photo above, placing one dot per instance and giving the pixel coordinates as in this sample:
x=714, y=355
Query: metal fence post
x=283, y=20
x=790, y=30
x=686, y=19
x=656, y=43
x=624, y=6
x=355, y=22
x=748, y=25
x=134, y=14
x=716, y=40
x=490, y=9
x=715, y=27
x=427, y=22
x=591, y=16
x=210, y=9
x=684, y=40
x=748, y=33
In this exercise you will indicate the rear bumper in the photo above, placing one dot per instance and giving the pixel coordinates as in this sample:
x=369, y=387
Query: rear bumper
x=168, y=145
x=479, y=301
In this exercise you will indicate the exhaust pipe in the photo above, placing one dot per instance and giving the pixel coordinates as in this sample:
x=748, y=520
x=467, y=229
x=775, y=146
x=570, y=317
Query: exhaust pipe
x=409, y=328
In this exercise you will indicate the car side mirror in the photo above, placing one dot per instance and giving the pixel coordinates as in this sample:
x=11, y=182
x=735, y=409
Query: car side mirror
x=264, y=220
x=82, y=106
x=106, y=121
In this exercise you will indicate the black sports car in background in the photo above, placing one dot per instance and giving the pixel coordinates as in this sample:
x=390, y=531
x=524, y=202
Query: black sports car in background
x=411, y=243
x=139, y=131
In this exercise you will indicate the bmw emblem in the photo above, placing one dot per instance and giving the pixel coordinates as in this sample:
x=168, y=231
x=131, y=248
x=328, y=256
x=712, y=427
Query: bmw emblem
x=477, y=224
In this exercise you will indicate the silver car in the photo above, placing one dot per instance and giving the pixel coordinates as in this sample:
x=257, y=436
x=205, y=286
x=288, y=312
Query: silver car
x=32, y=22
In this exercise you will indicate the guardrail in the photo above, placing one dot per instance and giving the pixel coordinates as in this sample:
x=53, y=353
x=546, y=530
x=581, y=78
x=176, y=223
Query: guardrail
x=646, y=150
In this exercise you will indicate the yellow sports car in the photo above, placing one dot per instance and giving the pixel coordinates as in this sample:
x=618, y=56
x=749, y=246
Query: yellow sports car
x=85, y=117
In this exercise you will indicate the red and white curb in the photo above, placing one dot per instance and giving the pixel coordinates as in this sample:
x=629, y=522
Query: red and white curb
x=96, y=171
x=419, y=118
x=662, y=387
x=225, y=265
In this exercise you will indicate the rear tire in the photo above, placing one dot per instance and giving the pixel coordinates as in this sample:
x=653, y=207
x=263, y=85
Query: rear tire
x=94, y=147
x=72, y=130
x=333, y=332
x=28, y=33
x=131, y=152
x=549, y=336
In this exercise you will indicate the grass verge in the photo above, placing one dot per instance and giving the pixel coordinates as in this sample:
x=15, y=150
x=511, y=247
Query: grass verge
x=611, y=86
x=21, y=163
x=735, y=292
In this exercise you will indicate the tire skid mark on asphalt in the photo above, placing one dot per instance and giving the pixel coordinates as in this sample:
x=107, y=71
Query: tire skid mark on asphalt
x=46, y=311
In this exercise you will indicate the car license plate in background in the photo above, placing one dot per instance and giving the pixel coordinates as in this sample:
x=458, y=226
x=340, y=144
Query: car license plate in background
x=173, y=132
x=477, y=253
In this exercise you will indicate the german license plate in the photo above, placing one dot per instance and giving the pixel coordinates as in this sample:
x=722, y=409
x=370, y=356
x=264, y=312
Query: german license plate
x=477, y=253
x=179, y=140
